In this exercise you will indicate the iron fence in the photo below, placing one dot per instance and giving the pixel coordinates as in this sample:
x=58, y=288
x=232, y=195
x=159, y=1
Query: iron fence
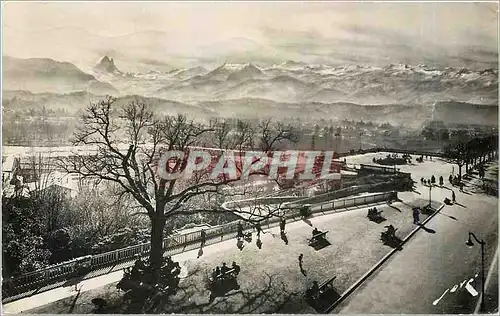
x=30, y=282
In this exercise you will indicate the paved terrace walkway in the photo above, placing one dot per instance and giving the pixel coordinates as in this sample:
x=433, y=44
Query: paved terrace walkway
x=355, y=248
x=270, y=279
x=213, y=246
x=413, y=281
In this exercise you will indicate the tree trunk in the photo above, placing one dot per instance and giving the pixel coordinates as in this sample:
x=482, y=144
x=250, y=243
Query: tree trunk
x=156, y=254
x=460, y=171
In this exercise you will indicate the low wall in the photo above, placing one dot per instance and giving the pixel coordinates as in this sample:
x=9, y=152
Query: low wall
x=234, y=205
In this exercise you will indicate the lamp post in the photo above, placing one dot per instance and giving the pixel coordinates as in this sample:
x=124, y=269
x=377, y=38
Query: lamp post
x=430, y=190
x=469, y=243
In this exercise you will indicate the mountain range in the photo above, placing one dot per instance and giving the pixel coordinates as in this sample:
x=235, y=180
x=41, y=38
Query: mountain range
x=288, y=82
x=293, y=81
x=398, y=92
x=296, y=82
x=48, y=75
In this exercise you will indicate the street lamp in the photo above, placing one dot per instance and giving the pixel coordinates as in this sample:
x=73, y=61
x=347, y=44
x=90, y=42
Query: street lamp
x=430, y=190
x=469, y=243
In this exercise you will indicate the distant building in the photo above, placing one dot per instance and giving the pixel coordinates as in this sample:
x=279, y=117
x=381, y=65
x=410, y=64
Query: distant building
x=33, y=174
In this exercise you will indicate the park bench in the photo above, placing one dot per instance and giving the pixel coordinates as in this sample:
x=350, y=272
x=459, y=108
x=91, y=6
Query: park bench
x=374, y=214
x=317, y=238
x=223, y=283
x=230, y=273
x=325, y=286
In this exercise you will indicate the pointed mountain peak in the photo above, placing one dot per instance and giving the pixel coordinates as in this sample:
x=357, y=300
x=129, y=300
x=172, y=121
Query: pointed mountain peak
x=107, y=64
x=248, y=71
x=251, y=66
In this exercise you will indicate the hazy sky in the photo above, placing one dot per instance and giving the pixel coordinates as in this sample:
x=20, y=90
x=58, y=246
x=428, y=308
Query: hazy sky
x=185, y=34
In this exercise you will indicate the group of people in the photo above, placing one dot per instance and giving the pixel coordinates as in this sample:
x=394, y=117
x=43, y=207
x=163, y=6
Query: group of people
x=258, y=228
x=456, y=180
x=391, y=231
x=240, y=234
x=221, y=272
x=432, y=180
x=421, y=158
x=373, y=212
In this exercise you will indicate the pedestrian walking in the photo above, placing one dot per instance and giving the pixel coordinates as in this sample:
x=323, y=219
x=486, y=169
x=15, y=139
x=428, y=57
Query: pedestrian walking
x=453, y=196
x=203, y=237
x=259, y=229
x=282, y=224
x=240, y=230
x=416, y=216
x=259, y=243
x=239, y=244
x=301, y=256
x=284, y=238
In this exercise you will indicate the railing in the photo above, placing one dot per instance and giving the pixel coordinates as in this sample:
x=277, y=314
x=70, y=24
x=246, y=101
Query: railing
x=344, y=203
x=230, y=205
x=378, y=168
x=28, y=283
x=332, y=195
x=392, y=150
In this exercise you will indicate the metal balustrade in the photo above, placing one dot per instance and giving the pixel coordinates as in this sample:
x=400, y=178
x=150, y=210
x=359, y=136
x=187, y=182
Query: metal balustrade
x=173, y=245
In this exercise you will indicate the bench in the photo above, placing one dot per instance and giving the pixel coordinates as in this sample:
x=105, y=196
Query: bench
x=322, y=288
x=315, y=238
x=374, y=214
x=327, y=284
x=230, y=272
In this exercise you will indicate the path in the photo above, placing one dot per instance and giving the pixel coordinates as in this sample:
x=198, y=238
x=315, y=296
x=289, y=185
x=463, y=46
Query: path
x=433, y=263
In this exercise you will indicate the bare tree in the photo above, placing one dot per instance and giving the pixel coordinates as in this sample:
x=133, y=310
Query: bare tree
x=128, y=142
x=271, y=135
x=457, y=153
